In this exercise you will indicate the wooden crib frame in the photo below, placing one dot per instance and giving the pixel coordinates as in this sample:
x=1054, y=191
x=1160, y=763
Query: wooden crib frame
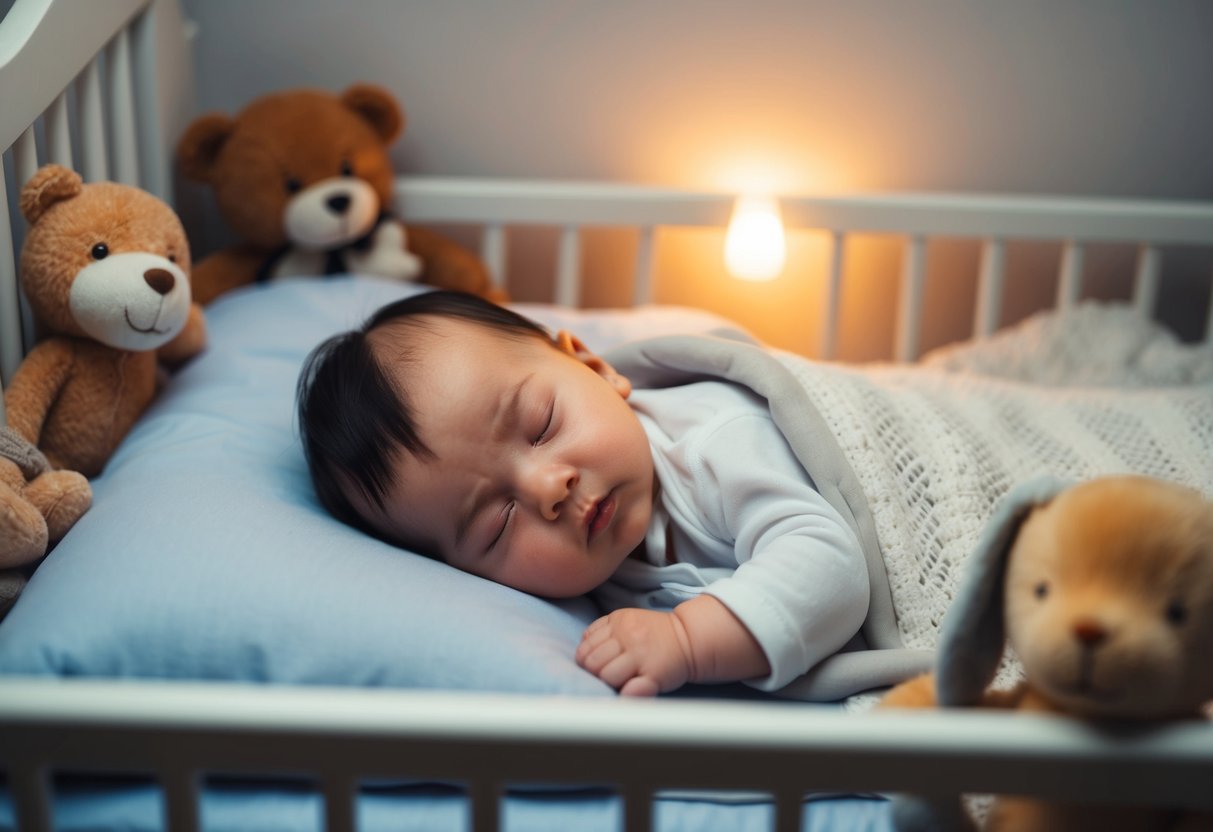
x=182, y=732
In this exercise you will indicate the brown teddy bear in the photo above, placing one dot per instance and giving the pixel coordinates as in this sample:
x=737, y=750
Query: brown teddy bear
x=1104, y=592
x=105, y=268
x=303, y=178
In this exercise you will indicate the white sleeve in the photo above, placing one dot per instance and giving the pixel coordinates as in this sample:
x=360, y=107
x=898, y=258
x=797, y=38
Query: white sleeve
x=801, y=584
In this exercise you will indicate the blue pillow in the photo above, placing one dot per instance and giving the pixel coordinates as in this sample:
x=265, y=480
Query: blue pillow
x=206, y=556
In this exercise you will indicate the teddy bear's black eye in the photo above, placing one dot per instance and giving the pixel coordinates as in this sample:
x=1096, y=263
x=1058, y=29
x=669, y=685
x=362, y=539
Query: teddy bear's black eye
x=172, y=258
x=1177, y=613
x=293, y=185
x=100, y=251
x=346, y=168
x=1041, y=590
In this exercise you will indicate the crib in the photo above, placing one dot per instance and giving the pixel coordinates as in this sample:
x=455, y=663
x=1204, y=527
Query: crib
x=187, y=745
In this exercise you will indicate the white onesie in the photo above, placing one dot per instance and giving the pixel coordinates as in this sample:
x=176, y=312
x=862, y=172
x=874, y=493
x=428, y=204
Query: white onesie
x=746, y=525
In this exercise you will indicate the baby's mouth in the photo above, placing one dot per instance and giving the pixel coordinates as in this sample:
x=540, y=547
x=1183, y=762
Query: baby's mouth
x=601, y=515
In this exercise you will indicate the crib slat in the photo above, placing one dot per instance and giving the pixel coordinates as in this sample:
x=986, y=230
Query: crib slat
x=58, y=132
x=1145, y=280
x=493, y=252
x=637, y=808
x=10, y=316
x=25, y=156
x=25, y=164
x=485, y=803
x=153, y=164
x=92, y=123
x=568, y=267
x=1069, y=283
x=989, y=288
x=181, y=801
x=340, y=809
x=123, y=142
x=831, y=301
x=32, y=796
x=913, y=283
x=642, y=293
x=787, y=811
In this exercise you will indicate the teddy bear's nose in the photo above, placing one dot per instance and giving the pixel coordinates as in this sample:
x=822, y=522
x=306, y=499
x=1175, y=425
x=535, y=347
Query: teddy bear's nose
x=338, y=204
x=1089, y=632
x=160, y=280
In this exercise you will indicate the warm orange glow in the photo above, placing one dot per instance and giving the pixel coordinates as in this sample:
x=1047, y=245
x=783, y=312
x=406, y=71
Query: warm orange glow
x=754, y=246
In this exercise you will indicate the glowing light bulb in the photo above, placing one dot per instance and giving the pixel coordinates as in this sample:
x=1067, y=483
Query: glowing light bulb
x=754, y=246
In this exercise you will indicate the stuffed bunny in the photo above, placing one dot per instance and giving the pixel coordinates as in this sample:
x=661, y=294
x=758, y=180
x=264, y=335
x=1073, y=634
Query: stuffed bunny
x=1104, y=592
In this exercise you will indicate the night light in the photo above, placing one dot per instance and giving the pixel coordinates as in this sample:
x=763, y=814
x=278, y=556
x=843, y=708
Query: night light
x=754, y=246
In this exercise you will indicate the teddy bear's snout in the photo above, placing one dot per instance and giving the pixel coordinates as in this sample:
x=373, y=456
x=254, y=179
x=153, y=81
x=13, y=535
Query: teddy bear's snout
x=1090, y=633
x=338, y=204
x=161, y=280
x=330, y=213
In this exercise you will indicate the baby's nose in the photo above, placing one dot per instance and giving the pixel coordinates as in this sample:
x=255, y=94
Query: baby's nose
x=551, y=486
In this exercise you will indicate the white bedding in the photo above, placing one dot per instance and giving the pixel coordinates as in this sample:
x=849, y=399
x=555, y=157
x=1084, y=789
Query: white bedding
x=917, y=458
x=1093, y=344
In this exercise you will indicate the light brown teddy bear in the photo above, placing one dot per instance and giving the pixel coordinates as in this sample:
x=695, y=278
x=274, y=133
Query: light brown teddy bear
x=1104, y=592
x=304, y=180
x=105, y=268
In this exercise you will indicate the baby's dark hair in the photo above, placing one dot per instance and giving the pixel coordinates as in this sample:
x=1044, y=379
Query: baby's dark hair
x=353, y=419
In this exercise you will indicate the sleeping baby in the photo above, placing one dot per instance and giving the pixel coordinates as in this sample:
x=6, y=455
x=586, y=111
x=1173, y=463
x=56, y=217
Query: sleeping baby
x=457, y=429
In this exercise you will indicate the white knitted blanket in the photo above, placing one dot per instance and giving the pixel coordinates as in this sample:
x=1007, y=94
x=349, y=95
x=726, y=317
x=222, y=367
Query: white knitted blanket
x=936, y=445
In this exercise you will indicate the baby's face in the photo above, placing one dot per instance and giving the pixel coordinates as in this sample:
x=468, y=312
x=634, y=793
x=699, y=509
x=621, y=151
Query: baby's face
x=542, y=478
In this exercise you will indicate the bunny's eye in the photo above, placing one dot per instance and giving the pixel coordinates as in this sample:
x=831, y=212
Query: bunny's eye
x=1041, y=591
x=1177, y=613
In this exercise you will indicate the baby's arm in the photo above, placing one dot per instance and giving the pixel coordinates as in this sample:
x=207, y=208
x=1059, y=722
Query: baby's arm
x=799, y=592
x=643, y=652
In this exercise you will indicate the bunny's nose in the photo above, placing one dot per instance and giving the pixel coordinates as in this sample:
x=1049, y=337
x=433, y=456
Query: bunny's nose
x=160, y=280
x=1090, y=633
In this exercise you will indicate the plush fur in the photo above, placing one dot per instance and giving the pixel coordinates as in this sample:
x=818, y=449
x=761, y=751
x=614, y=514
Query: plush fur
x=105, y=268
x=304, y=179
x=1107, y=600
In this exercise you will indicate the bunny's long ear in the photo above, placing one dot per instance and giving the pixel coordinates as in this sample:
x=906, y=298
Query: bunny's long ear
x=972, y=635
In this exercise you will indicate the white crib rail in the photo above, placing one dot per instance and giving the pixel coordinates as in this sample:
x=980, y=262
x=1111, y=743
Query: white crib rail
x=916, y=218
x=183, y=732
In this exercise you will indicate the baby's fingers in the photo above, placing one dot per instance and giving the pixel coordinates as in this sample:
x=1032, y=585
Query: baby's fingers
x=639, y=686
x=597, y=626
x=594, y=657
x=619, y=671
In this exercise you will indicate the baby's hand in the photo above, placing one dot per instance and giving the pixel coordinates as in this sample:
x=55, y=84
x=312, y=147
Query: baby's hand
x=639, y=652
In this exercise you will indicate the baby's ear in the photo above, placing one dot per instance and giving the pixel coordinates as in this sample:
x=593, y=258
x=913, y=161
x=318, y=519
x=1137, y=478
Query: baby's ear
x=569, y=343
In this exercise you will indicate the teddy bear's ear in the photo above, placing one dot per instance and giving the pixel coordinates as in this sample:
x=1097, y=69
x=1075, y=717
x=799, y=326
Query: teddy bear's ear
x=48, y=185
x=201, y=144
x=378, y=107
x=972, y=635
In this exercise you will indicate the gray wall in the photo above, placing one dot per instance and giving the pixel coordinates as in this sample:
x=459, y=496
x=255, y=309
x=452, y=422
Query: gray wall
x=1098, y=97
x=1082, y=96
